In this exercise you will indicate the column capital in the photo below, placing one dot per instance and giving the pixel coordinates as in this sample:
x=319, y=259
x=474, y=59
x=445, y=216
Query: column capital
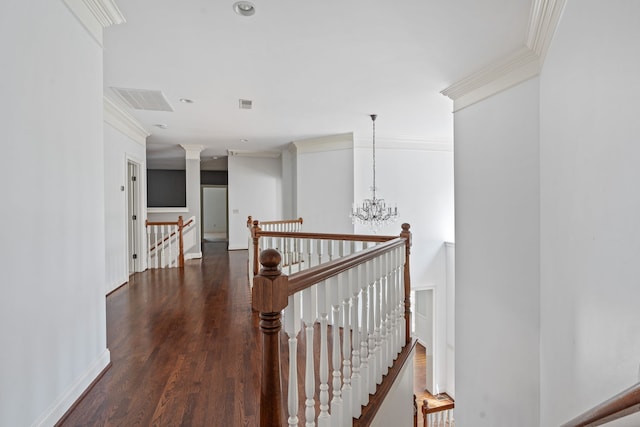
x=192, y=151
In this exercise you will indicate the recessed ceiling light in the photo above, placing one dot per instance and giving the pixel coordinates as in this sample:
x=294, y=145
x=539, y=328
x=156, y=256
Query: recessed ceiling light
x=244, y=140
x=161, y=125
x=186, y=100
x=244, y=8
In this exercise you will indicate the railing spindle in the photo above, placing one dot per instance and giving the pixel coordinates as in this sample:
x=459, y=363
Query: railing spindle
x=346, y=349
x=309, y=306
x=292, y=327
x=336, y=401
x=324, y=419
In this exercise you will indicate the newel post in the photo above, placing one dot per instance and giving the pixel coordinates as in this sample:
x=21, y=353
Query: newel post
x=180, y=244
x=255, y=239
x=406, y=234
x=270, y=296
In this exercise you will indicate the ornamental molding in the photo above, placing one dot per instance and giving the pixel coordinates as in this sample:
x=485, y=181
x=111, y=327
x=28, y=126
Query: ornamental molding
x=342, y=141
x=406, y=144
x=96, y=15
x=255, y=154
x=518, y=66
x=120, y=119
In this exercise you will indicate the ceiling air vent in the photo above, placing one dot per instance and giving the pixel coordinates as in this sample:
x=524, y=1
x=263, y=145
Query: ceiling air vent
x=143, y=99
x=245, y=104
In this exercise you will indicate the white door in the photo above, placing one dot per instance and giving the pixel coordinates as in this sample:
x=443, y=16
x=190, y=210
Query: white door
x=133, y=222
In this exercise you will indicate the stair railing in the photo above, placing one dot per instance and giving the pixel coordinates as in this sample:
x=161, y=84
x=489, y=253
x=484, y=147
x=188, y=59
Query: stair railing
x=437, y=416
x=364, y=295
x=285, y=225
x=625, y=403
x=165, y=240
x=302, y=250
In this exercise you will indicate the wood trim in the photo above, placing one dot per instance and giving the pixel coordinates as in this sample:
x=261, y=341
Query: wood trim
x=382, y=390
x=326, y=236
x=620, y=405
x=307, y=278
x=181, y=227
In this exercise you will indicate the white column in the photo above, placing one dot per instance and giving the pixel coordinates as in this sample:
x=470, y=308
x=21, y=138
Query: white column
x=192, y=174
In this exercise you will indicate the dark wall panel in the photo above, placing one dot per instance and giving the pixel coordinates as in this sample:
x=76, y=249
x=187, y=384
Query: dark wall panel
x=166, y=188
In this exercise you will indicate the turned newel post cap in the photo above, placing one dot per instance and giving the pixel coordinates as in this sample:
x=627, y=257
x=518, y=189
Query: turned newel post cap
x=270, y=260
x=405, y=227
x=270, y=286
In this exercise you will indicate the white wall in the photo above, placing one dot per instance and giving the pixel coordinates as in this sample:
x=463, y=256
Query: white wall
x=497, y=260
x=118, y=149
x=255, y=188
x=52, y=310
x=324, y=183
x=397, y=408
x=214, y=209
x=590, y=241
x=418, y=178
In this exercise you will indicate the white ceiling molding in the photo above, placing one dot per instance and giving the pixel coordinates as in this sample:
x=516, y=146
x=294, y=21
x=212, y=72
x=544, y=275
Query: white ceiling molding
x=342, y=141
x=406, y=144
x=117, y=117
x=192, y=151
x=545, y=15
x=515, y=68
x=257, y=154
x=95, y=15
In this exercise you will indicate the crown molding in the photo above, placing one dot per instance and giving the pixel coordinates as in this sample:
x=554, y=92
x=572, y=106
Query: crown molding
x=509, y=71
x=516, y=67
x=96, y=15
x=342, y=141
x=255, y=154
x=120, y=119
x=544, y=18
x=406, y=144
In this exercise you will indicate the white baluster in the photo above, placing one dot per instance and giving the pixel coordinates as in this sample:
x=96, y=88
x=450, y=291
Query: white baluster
x=148, y=246
x=364, y=333
x=173, y=230
x=300, y=256
x=371, y=335
x=320, y=250
x=378, y=316
x=452, y=422
x=292, y=327
x=155, y=236
x=343, y=286
x=354, y=284
x=309, y=305
x=390, y=307
x=336, y=401
x=324, y=419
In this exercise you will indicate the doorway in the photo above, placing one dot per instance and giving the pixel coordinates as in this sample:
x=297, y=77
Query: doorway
x=215, y=223
x=133, y=217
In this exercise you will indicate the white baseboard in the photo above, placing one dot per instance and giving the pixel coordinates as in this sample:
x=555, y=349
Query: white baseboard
x=52, y=415
x=194, y=255
x=237, y=248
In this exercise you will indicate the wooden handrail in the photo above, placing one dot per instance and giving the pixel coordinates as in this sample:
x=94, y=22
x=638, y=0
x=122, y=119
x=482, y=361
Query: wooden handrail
x=181, y=225
x=148, y=223
x=306, y=278
x=426, y=410
x=326, y=236
x=620, y=405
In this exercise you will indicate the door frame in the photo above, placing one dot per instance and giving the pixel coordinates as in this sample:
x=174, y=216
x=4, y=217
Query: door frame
x=202, y=187
x=133, y=205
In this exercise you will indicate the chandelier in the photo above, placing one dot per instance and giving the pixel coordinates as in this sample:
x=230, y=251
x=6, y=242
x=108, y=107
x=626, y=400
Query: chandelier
x=374, y=212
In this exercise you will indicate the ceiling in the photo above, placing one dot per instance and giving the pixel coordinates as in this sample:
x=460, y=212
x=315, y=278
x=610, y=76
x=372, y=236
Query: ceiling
x=311, y=67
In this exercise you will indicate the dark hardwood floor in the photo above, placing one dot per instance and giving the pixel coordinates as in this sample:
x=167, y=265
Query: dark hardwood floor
x=185, y=349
